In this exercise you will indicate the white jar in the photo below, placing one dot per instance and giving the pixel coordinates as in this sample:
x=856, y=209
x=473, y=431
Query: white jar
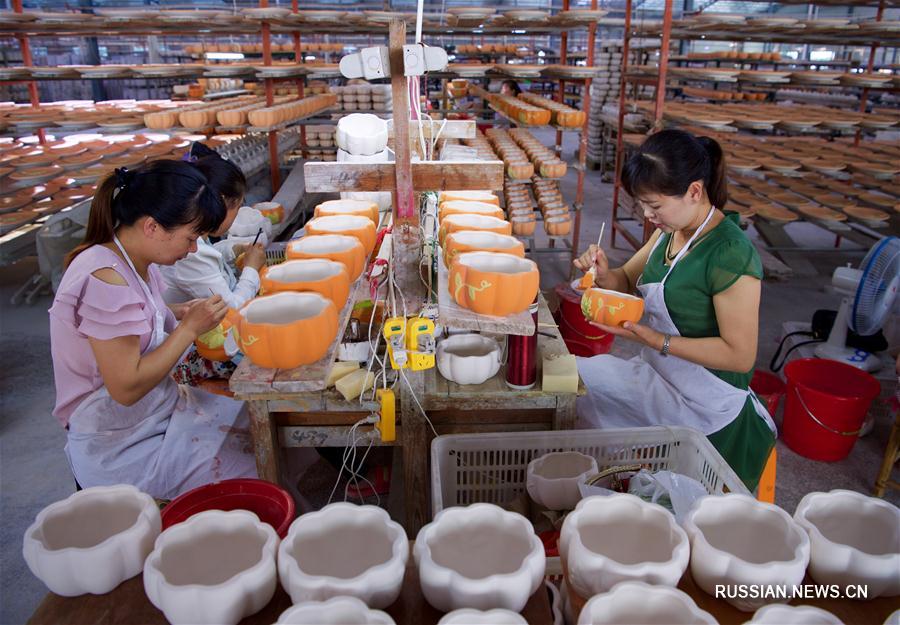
x=468, y=358
x=344, y=550
x=214, y=568
x=854, y=539
x=618, y=538
x=737, y=540
x=337, y=611
x=468, y=616
x=479, y=556
x=779, y=614
x=552, y=479
x=637, y=602
x=93, y=540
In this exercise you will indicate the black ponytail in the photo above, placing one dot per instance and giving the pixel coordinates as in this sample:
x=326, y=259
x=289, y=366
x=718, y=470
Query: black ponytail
x=224, y=177
x=670, y=160
x=172, y=192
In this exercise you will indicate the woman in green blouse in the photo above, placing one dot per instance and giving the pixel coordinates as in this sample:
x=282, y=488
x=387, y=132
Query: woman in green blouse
x=701, y=320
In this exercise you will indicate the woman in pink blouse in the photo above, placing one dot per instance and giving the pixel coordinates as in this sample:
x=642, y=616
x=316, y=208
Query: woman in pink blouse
x=114, y=342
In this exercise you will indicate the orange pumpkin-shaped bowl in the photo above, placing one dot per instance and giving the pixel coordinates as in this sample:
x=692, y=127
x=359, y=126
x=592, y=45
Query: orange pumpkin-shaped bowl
x=611, y=308
x=452, y=223
x=287, y=329
x=211, y=344
x=487, y=197
x=273, y=211
x=495, y=284
x=337, y=247
x=467, y=207
x=360, y=227
x=318, y=275
x=524, y=226
x=463, y=241
x=361, y=208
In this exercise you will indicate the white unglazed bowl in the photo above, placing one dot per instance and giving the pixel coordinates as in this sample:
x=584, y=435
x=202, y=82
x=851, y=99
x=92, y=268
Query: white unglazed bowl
x=780, y=614
x=468, y=616
x=361, y=133
x=854, y=539
x=468, y=358
x=552, y=479
x=479, y=556
x=637, y=602
x=737, y=540
x=620, y=538
x=337, y=611
x=93, y=540
x=344, y=550
x=214, y=568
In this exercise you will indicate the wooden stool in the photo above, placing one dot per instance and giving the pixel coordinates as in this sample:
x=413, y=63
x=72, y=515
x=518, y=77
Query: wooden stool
x=891, y=455
x=765, y=490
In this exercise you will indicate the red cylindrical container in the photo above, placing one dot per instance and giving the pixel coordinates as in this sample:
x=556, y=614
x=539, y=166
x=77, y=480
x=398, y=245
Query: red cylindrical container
x=521, y=359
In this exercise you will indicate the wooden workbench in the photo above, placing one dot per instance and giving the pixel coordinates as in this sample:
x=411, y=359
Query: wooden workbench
x=129, y=605
x=284, y=414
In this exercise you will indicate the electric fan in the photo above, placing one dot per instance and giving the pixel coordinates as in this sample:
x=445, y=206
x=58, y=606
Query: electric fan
x=871, y=294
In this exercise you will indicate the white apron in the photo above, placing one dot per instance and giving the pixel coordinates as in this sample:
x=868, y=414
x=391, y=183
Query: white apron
x=652, y=389
x=173, y=439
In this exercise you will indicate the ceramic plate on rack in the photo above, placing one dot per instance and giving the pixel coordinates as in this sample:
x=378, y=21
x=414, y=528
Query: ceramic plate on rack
x=769, y=22
x=121, y=126
x=519, y=70
x=103, y=71
x=11, y=221
x=865, y=80
x=14, y=73
x=321, y=16
x=280, y=71
x=471, y=13
x=527, y=15
x=226, y=69
x=161, y=71
x=11, y=17
x=885, y=25
x=126, y=15
x=468, y=70
x=578, y=16
x=571, y=71
x=764, y=76
x=266, y=13
x=63, y=18
x=54, y=72
x=828, y=23
x=384, y=17
x=177, y=16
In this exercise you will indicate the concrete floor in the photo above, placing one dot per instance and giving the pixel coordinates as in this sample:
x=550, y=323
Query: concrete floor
x=34, y=472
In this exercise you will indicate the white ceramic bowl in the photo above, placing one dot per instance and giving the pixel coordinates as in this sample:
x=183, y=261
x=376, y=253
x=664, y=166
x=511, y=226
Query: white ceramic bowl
x=620, y=538
x=214, y=568
x=479, y=556
x=344, y=550
x=552, y=479
x=468, y=616
x=637, y=602
x=468, y=358
x=93, y=540
x=779, y=614
x=361, y=133
x=337, y=611
x=736, y=539
x=854, y=539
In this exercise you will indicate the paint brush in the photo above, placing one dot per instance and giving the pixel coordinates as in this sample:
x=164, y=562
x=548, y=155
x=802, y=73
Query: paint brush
x=259, y=232
x=587, y=281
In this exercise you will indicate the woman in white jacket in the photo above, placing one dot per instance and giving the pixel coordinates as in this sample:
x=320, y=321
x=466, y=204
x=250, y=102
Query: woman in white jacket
x=206, y=271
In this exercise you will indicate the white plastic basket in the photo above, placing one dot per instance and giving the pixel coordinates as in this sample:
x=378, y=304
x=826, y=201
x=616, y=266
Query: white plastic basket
x=473, y=468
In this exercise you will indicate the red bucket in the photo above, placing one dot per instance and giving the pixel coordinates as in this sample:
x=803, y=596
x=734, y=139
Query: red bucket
x=271, y=503
x=581, y=338
x=769, y=387
x=826, y=404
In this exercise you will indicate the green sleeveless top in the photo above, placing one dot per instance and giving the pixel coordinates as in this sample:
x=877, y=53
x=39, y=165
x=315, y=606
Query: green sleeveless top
x=716, y=261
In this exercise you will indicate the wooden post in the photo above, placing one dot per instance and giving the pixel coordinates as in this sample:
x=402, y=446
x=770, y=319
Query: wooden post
x=265, y=441
x=405, y=257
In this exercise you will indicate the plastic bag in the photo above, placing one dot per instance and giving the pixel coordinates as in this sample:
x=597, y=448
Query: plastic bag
x=673, y=491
